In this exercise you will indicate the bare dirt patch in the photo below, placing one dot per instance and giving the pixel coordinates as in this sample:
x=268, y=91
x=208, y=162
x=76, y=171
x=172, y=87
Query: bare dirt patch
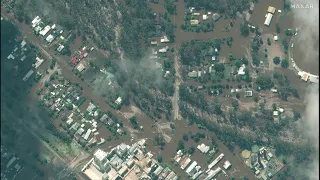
x=275, y=49
x=162, y=127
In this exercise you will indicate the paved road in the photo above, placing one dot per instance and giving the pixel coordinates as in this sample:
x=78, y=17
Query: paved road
x=175, y=103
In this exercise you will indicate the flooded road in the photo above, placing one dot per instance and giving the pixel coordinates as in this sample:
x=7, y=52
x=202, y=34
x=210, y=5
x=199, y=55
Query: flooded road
x=237, y=49
x=238, y=44
x=181, y=127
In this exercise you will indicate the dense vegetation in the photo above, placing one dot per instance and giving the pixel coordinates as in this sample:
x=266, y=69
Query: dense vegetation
x=193, y=51
x=137, y=28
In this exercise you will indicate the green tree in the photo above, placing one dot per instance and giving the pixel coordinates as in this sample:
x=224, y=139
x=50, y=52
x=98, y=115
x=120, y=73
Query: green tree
x=255, y=58
x=244, y=29
x=191, y=150
x=159, y=159
x=278, y=28
x=268, y=42
x=134, y=122
x=229, y=41
x=244, y=60
x=237, y=63
x=284, y=63
x=69, y=106
x=180, y=145
x=296, y=115
x=285, y=45
x=230, y=56
x=264, y=82
x=159, y=140
x=170, y=6
x=237, y=95
x=276, y=60
x=219, y=67
x=289, y=32
x=185, y=137
x=274, y=106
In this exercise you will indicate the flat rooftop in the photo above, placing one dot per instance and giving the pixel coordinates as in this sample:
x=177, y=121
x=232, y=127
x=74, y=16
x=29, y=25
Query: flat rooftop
x=93, y=173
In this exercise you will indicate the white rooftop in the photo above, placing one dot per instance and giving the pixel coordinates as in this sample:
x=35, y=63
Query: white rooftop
x=226, y=164
x=314, y=79
x=241, y=70
x=60, y=48
x=45, y=30
x=118, y=101
x=80, y=67
x=203, y=148
x=50, y=38
x=36, y=21
x=23, y=43
x=164, y=39
x=204, y=17
x=100, y=155
x=38, y=62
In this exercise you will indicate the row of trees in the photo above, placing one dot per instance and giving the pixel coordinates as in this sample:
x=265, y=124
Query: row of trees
x=58, y=133
x=284, y=62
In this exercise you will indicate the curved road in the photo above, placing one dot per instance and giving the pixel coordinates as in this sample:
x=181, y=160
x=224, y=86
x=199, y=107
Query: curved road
x=293, y=64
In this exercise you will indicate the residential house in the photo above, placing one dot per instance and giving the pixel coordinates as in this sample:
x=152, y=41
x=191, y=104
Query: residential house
x=35, y=21
x=271, y=10
x=204, y=17
x=241, y=70
x=104, y=118
x=164, y=39
x=38, y=62
x=154, y=42
x=80, y=67
x=268, y=19
x=26, y=77
x=193, y=74
x=60, y=48
x=23, y=58
x=45, y=30
x=194, y=22
x=74, y=60
x=248, y=94
x=50, y=38
x=118, y=101
x=10, y=57
x=314, y=79
x=226, y=165
x=23, y=43
x=215, y=17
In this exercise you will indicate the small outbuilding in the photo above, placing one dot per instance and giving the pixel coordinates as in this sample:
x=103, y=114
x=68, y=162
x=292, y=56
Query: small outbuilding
x=271, y=9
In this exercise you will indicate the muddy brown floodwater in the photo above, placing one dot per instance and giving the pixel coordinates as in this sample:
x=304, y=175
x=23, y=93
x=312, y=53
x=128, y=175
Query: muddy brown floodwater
x=238, y=44
x=150, y=132
x=260, y=10
x=237, y=49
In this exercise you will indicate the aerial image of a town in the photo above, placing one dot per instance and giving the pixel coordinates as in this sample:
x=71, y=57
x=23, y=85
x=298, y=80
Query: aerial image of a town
x=159, y=89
